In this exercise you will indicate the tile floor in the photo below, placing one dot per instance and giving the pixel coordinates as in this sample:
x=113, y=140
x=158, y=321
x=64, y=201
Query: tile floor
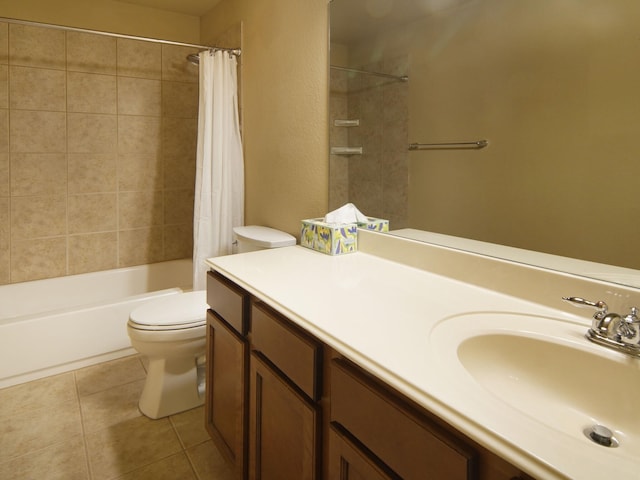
x=85, y=425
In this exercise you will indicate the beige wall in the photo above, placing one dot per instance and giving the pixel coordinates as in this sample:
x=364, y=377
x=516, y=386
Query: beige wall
x=553, y=87
x=284, y=94
x=97, y=152
x=106, y=15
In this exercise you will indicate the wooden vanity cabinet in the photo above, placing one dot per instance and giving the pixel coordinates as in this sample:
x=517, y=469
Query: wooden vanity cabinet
x=284, y=417
x=281, y=405
x=227, y=370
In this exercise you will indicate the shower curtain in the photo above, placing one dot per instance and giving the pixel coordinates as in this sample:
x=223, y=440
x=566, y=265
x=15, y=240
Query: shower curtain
x=219, y=189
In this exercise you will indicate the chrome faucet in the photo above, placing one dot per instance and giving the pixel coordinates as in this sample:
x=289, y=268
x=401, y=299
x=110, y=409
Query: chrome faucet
x=610, y=329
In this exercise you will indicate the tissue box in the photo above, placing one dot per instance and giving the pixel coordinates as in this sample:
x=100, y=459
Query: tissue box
x=335, y=239
x=329, y=238
x=377, y=224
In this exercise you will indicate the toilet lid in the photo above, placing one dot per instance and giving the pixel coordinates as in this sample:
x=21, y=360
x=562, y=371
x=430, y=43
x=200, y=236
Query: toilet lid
x=184, y=310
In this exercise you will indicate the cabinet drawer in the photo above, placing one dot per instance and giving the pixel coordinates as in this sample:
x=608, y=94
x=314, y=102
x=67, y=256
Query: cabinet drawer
x=295, y=353
x=400, y=437
x=228, y=300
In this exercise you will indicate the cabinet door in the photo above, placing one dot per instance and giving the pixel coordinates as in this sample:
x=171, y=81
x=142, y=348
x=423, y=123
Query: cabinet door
x=347, y=461
x=284, y=428
x=226, y=391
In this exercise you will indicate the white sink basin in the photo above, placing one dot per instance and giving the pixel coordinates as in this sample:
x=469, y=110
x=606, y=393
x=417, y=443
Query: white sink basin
x=542, y=372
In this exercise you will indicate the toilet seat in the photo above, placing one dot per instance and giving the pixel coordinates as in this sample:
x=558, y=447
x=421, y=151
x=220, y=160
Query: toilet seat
x=176, y=312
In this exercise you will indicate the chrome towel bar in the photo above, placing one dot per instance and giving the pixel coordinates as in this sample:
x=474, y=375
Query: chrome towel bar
x=434, y=146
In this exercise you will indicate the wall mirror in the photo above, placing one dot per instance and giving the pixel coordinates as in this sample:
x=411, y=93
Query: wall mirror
x=552, y=87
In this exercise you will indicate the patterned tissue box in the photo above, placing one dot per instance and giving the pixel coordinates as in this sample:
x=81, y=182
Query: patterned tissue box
x=336, y=239
x=329, y=238
x=377, y=224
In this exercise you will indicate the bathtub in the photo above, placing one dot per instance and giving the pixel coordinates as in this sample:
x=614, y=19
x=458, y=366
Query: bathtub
x=60, y=324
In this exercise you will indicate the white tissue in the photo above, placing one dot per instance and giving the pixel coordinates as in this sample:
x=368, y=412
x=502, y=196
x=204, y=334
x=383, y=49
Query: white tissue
x=346, y=214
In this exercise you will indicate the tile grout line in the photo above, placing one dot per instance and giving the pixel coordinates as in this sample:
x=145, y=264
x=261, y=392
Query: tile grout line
x=84, y=433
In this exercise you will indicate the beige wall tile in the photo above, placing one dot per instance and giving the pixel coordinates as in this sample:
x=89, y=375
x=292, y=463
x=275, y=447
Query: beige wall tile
x=36, y=46
x=38, y=132
x=4, y=86
x=4, y=241
x=93, y=252
x=4, y=130
x=139, y=134
x=180, y=99
x=40, y=216
x=4, y=43
x=85, y=155
x=140, y=59
x=4, y=174
x=139, y=209
x=38, y=89
x=178, y=241
x=91, y=53
x=5, y=267
x=180, y=136
x=92, y=172
x=91, y=93
x=140, y=171
x=92, y=133
x=93, y=212
x=38, y=258
x=175, y=66
x=38, y=174
x=139, y=96
x=179, y=171
x=140, y=246
x=178, y=206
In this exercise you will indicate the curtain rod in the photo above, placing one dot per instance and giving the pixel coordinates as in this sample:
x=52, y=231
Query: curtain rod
x=117, y=35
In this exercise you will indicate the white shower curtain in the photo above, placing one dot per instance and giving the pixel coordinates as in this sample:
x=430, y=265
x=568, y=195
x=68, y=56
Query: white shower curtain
x=219, y=190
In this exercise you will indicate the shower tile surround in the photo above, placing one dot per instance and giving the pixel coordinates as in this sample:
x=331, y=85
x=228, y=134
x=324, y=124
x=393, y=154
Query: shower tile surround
x=376, y=181
x=97, y=152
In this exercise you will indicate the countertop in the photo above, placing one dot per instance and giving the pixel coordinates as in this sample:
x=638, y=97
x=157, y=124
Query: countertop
x=378, y=309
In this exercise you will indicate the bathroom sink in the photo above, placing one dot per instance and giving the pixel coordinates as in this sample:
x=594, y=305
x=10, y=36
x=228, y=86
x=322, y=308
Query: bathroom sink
x=542, y=369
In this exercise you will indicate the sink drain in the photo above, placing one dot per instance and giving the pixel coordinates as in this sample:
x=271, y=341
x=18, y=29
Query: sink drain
x=601, y=435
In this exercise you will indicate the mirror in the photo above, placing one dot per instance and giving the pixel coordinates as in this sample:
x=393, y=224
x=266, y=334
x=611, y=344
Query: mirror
x=551, y=86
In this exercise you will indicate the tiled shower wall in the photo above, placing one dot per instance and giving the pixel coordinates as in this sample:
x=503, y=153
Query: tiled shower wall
x=97, y=152
x=376, y=181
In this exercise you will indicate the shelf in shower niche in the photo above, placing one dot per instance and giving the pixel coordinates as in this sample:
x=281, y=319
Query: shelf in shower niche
x=347, y=123
x=346, y=150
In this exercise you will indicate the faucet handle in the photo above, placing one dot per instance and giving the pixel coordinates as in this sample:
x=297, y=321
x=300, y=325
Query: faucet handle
x=629, y=328
x=602, y=307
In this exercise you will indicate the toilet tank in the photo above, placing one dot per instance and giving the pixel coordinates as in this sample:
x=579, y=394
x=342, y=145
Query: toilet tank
x=253, y=237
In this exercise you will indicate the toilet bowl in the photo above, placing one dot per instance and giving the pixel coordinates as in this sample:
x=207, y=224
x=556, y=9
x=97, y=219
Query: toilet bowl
x=170, y=334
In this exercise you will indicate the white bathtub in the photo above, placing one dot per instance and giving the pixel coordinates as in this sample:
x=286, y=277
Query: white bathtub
x=55, y=325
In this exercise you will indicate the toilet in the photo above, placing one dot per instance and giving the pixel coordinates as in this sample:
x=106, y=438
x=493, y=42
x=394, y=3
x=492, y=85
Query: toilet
x=170, y=333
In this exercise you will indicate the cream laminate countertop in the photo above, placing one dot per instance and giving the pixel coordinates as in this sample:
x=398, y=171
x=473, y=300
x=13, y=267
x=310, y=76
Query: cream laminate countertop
x=378, y=309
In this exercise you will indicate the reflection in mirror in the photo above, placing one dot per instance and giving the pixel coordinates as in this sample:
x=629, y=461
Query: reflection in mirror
x=552, y=86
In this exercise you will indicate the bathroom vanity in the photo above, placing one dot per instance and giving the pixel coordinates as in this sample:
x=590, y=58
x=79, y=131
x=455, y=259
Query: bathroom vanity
x=367, y=366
